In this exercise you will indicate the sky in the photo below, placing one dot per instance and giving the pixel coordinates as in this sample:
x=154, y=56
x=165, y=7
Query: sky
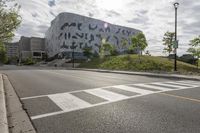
x=153, y=17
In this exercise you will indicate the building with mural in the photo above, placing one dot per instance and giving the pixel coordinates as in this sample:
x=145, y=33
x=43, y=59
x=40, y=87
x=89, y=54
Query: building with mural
x=70, y=32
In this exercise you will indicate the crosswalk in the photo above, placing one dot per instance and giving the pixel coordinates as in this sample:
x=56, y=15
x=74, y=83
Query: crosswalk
x=82, y=99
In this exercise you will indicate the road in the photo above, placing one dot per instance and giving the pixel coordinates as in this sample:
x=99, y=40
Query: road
x=70, y=101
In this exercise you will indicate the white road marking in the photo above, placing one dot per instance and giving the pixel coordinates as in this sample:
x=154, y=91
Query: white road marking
x=25, y=98
x=46, y=115
x=191, y=82
x=94, y=105
x=153, y=87
x=133, y=89
x=111, y=96
x=183, y=84
x=68, y=102
x=169, y=85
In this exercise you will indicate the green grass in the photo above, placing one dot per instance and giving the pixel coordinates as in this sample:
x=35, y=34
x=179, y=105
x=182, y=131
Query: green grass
x=132, y=63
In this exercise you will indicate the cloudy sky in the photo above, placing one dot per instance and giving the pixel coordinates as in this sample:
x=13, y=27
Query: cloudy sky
x=153, y=17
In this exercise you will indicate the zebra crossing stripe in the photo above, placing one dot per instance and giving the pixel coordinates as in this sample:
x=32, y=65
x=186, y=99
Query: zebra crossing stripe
x=68, y=102
x=134, y=89
x=153, y=87
x=184, y=84
x=110, y=96
x=190, y=82
x=170, y=85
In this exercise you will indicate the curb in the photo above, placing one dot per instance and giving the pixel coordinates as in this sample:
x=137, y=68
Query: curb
x=3, y=111
x=157, y=75
x=18, y=119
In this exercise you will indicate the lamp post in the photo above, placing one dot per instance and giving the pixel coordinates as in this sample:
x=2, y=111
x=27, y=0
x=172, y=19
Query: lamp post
x=176, y=5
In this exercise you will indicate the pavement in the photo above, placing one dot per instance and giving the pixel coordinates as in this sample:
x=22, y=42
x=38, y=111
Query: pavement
x=18, y=120
x=13, y=118
x=77, y=101
x=3, y=112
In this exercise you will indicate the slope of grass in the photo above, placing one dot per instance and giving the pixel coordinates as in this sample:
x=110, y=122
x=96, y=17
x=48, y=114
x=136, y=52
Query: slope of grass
x=132, y=63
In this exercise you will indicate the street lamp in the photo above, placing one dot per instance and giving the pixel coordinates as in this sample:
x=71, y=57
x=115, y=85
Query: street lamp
x=176, y=5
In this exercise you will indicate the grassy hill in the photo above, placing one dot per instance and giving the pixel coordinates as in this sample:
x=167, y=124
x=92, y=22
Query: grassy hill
x=146, y=63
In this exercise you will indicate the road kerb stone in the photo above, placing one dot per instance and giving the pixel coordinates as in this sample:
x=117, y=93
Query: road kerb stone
x=3, y=111
x=159, y=75
x=18, y=119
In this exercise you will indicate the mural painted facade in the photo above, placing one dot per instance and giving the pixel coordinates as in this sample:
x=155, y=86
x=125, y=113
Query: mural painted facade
x=71, y=31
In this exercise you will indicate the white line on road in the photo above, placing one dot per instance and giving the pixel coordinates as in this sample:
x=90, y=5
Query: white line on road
x=191, y=85
x=133, y=89
x=169, y=85
x=111, y=96
x=68, y=102
x=153, y=87
x=63, y=99
x=190, y=82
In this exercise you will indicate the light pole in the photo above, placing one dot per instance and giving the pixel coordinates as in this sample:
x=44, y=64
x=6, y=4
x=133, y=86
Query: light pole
x=176, y=5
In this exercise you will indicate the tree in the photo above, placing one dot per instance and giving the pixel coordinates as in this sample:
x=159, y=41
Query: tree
x=168, y=41
x=113, y=51
x=195, y=48
x=195, y=42
x=147, y=53
x=3, y=57
x=188, y=58
x=87, y=51
x=9, y=20
x=107, y=49
x=124, y=44
x=139, y=42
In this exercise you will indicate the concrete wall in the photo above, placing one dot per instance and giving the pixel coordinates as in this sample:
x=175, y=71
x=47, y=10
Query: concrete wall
x=33, y=47
x=69, y=29
x=24, y=44
x=37, y=44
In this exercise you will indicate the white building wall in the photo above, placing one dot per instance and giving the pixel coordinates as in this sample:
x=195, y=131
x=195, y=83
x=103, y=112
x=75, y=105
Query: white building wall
x=67, y=29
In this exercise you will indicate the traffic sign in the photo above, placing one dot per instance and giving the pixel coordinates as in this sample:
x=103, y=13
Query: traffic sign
x=175, y=44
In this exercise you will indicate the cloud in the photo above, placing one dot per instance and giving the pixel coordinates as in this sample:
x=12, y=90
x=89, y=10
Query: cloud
x=112, y=13
x=153, y=17
x=51, y=3
x=139, y=20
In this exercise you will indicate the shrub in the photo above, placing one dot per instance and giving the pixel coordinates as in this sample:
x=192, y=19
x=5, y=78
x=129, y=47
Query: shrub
x=29, y=61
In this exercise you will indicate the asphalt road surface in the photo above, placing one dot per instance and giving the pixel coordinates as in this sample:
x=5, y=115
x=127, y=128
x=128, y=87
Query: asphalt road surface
x=69, y=101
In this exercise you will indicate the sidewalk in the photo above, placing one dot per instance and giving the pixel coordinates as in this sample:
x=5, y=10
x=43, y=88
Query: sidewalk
x=13, y=117
x=159, y=75
x=3, y=112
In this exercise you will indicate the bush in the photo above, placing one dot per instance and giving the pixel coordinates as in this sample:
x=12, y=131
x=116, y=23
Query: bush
x=131, y=63
x=114, y=52
x=188, y=58
x=87, y=52
x=3, y=57
x=29, y=61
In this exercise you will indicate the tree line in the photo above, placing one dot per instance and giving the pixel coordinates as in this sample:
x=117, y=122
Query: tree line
x=9, y=22
x=138, y=45
x=194, y=44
